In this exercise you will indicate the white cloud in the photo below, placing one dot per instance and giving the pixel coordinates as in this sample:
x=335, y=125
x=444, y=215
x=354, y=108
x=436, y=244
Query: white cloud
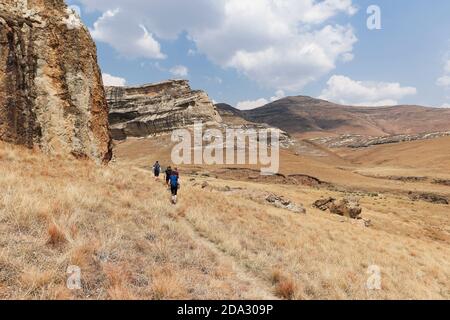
x=447, y=67
x=251, y=104
x=446, y=105
x=191, y=52
x=443, y=81
x=179, y=71
x=278, y=95
x=109, y=80
x=344, y=90
x=282, y=44
x=132, y=41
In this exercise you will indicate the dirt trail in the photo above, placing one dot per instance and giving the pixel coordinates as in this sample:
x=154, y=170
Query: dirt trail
x=260, y=289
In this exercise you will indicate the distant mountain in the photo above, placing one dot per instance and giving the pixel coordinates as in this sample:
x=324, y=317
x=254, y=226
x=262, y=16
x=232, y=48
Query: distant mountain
x=302, y=115
x=230, y=114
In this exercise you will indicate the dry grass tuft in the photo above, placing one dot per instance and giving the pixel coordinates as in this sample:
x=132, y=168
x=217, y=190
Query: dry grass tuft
x=166, y=287
x=56, y=236
x=286, y=289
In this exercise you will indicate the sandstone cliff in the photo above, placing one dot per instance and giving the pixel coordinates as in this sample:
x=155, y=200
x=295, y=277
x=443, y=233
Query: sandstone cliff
x=51, y=92
x=157, y=108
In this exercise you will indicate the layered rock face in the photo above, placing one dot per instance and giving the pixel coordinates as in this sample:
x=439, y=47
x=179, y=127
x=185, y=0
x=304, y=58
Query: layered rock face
x=51, y=92
x=157, y=108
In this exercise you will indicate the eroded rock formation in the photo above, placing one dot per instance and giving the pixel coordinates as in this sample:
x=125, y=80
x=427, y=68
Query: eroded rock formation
x=157, y=108
x=51, y=92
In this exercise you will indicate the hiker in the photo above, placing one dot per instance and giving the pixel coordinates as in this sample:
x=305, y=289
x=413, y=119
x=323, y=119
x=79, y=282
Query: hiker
x=174, y=181
x=157, y=170
x=168, y=174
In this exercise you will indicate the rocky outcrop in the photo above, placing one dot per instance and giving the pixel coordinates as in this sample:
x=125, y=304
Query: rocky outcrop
x=360, y=141
x=51, y=92
x=157, y=108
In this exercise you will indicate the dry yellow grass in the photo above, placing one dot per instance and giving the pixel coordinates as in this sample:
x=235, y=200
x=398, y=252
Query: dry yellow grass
x=117, y=224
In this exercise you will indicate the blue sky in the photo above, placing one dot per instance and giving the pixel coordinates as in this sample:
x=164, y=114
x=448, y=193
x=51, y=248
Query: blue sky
x=250, y=52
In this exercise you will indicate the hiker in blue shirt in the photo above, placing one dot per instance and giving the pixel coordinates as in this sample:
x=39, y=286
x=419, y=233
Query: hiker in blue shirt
x=174, y=181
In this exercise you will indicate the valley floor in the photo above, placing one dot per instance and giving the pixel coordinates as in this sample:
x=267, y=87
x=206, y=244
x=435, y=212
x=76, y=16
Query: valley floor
x=219, y=242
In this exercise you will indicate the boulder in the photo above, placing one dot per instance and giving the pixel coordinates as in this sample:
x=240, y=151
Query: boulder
x=323, y=204
x=348, y=207
x=51, y=90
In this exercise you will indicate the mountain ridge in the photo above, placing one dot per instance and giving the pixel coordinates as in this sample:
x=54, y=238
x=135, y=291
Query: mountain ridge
x=300, y=115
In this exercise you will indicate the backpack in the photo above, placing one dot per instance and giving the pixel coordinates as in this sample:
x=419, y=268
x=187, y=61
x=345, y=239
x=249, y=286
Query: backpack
x=174, y=180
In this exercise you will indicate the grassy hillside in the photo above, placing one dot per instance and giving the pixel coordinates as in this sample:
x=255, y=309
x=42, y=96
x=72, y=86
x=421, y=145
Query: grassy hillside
x=303, y=116
x=116, y=223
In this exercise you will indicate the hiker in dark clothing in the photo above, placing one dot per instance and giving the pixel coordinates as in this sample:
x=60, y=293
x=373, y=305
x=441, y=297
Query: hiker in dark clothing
x=157, y=170
x=174, y=185
x=168, y=174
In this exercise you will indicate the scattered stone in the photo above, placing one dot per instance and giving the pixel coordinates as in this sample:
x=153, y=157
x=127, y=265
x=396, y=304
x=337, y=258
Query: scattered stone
x=205, y=185
x=282, y=203
x=443, y=182
x=428, y=197
x=365, y=223
x=323, y=204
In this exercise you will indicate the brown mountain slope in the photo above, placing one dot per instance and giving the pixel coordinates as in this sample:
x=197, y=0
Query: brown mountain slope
x=301, y=115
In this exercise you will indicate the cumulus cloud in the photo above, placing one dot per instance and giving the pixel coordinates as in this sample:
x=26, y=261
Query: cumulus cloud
x=132, y=41
x=109, y=80
x=252, y=104
x=282, y=44
x=179, y=71
x=278, y=95
x=347, y=91
x=447, y=67
x=443, y=81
